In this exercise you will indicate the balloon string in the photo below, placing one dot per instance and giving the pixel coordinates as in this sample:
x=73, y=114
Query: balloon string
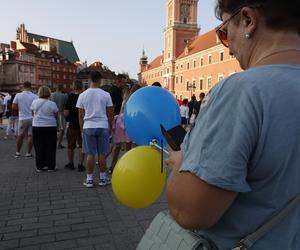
x=162, y=157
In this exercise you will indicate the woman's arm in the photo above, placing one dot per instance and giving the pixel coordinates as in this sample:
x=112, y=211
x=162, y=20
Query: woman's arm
x=193, y=203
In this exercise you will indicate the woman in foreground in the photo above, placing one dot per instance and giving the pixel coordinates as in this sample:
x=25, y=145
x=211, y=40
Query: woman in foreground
x=240, y=164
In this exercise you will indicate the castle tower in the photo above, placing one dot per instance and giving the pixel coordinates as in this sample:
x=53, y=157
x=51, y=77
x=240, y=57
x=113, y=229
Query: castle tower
x=181, y=27
x=22, y=34
x=143, y=67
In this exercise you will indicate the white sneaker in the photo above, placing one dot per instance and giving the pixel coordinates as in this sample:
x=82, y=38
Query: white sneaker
x=102, y=183
x=17, y=155
x=28, y=156
x=88, y=183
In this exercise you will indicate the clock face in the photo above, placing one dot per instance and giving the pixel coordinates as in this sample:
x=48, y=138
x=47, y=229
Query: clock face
x=185, y=10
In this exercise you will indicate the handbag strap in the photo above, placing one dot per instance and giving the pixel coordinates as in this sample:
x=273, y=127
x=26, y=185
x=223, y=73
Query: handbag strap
x=250, y=239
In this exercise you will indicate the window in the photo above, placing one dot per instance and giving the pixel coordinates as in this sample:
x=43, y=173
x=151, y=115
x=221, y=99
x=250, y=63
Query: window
x=187, y=85
x=194, y=84
x=220, y=77
x=201, y=61
x=221, y=56
x=187, y=65
x=201, y=84
x=181, y=66
x=209, y=83
x=176, y=79
x=209, y=59
x=181, y=79
x=168, y=70
x=194, y=63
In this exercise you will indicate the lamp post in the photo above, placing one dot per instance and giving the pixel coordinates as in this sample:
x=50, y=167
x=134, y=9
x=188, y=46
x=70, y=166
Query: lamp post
x=191, y=87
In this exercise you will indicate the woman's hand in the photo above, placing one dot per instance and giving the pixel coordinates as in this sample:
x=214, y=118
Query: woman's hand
x=175, y=159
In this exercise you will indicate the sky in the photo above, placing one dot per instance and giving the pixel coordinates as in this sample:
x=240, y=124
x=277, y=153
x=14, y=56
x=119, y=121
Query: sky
x=113, y=32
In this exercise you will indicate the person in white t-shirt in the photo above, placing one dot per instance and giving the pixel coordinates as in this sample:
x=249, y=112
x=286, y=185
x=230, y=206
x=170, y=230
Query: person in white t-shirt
x=22, y=102
x=44, y=130
x=6, y=99
x=1, y=111
x=95, y=118
x=184, y=113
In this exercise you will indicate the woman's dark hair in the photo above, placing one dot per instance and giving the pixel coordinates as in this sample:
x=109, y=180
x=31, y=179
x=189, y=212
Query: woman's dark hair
x=278, y=14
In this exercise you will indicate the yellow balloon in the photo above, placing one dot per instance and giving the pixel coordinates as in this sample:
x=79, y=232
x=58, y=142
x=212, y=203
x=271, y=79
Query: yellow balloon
x=137, y=180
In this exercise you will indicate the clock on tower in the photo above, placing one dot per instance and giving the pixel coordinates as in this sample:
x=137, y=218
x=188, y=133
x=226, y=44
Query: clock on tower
x=185, y=12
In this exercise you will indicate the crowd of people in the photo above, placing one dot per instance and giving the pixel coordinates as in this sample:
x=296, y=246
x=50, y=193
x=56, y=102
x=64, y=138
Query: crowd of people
x=90, y=120
x=189, y=110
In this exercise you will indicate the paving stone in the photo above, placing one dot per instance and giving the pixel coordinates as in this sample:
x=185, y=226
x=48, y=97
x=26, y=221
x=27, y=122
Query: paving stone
x=66, y=244
x=65, y=210
x=84, y=226
x=8, y=229
x=37, y=213
x=9, y=244
x=68, y=221
x=29, y=248
x=22, y=221
x=36, y=225
x=37, y=240
x=71, y=235
x=53, y=217
x=52, y=230
x=20, y=234
x=23, y=210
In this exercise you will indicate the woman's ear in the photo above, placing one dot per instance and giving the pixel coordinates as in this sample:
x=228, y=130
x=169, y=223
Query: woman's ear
x=249, y=19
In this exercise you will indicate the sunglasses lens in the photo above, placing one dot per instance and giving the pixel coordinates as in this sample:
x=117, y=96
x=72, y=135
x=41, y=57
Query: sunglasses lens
x=223, y=37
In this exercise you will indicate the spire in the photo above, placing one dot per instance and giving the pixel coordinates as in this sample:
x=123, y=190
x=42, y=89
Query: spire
x=144, y=58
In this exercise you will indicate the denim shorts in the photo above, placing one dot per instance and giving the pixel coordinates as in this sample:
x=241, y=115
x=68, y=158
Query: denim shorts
x=95, y=141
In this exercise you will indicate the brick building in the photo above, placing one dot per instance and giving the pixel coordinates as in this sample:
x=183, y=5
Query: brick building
x=36, y=59
x=189, y=64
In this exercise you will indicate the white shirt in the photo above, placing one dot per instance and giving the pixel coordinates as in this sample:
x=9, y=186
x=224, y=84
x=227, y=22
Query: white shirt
x=94, y=101
x=24, y=101
x=184, y=111
x=5, y=101
x=1, y=105
x=44, y=111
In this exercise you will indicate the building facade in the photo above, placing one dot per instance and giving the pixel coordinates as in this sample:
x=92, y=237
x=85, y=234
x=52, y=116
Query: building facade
x=24, y=61
x=16, y=68
x=108, y=76
x=190, y=64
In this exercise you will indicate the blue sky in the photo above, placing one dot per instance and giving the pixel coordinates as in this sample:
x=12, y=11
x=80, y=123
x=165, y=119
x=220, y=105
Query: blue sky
x=113, y=32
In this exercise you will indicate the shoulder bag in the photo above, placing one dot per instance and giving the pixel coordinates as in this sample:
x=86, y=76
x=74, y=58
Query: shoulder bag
x=165, y=234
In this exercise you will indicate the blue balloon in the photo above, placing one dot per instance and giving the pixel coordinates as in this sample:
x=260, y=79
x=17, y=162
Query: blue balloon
x=145, y=110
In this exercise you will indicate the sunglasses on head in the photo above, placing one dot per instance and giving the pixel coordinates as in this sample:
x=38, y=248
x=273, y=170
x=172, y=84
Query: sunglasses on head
x=221, y=33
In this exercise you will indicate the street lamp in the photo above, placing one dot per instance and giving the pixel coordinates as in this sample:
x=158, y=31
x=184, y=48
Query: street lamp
x=191, y=87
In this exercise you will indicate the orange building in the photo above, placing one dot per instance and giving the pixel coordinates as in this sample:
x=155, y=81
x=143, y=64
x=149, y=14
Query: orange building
x=190, y=64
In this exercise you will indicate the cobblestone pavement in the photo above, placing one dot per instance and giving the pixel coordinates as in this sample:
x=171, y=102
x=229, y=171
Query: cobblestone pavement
x=55, y=211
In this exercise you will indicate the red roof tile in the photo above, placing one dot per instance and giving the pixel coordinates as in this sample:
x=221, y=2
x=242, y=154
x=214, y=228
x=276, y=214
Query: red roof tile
x=155, y=63
x=202, y=42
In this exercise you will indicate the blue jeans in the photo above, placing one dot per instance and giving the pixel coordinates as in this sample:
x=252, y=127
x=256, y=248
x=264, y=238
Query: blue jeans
x=95, y=141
